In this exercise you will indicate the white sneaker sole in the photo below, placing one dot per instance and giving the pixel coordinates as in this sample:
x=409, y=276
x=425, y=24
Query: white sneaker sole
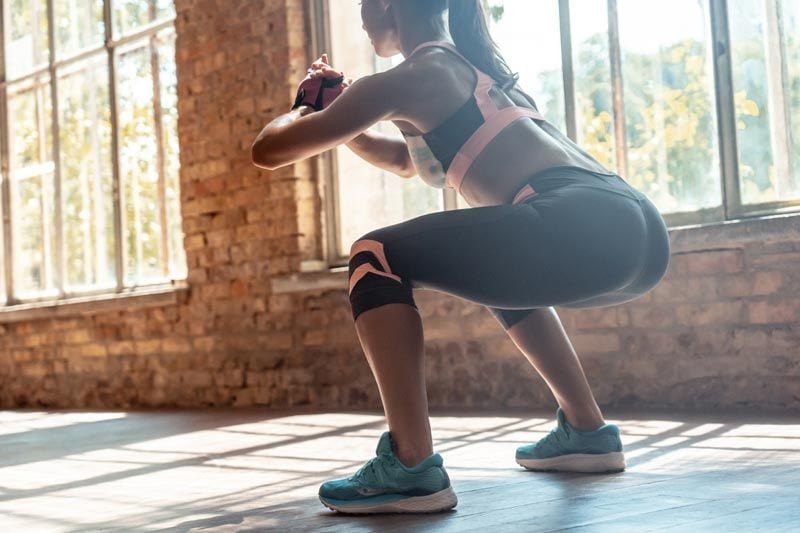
x=578, y=462
x=432, y=503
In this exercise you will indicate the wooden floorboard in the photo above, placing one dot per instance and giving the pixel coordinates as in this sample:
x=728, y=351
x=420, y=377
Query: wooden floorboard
x=258, y=470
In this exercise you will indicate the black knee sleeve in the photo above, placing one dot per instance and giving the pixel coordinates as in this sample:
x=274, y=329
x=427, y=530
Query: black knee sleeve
x=372, y=282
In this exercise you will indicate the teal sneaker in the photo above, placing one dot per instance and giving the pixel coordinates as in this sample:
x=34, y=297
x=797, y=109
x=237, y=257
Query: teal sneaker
x=565, y=449
x=385, y=485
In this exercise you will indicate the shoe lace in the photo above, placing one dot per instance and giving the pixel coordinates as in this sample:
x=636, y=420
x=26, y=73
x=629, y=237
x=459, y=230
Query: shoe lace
x=554, y=438
x=373, y=470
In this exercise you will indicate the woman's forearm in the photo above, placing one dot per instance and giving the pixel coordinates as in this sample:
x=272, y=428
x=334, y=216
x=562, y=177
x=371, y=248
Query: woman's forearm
x=259, y=150
x=383, y=151
x=286, y=118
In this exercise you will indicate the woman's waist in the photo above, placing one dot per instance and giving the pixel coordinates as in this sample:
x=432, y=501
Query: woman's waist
x=483, y=187
x=566, y=176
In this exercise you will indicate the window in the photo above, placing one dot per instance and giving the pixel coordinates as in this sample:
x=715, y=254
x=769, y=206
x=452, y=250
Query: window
x=765, y=52
x=667, y=85
x=89, y=148
x=695, y=102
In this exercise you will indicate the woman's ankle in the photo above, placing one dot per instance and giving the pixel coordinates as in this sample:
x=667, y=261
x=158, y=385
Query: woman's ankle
x=411, y=457
x=584, y=423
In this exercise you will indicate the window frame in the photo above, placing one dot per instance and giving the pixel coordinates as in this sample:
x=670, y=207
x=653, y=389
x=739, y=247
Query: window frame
x=731, y=207
x=145, y=36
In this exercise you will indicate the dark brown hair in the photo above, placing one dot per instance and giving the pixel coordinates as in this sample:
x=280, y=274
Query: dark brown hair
x=471, y=36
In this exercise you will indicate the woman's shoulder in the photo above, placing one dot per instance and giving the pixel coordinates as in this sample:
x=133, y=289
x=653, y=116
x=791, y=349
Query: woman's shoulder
x=423, y=89
x=394, y=86
x=416, y=80
x=436, y=63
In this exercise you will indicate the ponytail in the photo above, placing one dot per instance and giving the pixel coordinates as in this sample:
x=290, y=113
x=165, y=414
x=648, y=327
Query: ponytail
x=472, y=38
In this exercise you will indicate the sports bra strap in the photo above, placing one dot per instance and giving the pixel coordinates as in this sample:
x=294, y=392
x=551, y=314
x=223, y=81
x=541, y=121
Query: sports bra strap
x=445, y=44
x=484, y=80
x=483, y=85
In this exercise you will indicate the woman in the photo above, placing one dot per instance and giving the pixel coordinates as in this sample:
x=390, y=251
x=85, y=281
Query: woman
x=549, y=226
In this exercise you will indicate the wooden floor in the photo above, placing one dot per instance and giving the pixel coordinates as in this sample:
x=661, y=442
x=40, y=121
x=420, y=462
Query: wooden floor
x=254, y=470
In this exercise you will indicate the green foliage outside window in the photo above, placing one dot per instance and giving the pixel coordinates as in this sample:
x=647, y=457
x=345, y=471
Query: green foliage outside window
x=670, y=117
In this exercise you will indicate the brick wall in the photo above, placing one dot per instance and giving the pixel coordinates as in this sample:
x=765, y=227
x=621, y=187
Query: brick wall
x=219, y=341
x=723, y=328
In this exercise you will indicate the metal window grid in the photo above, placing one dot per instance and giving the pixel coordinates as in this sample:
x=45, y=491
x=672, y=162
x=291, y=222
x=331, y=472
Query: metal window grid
x=144, y=36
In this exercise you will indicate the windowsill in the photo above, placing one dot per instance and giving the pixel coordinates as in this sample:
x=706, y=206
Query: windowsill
x=735, y=233
x=141, y=297
x=316, y=275
x=313, y=276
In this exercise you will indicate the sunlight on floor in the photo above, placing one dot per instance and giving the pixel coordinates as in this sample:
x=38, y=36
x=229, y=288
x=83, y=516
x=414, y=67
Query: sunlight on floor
x=70, y=471
x=18, y=421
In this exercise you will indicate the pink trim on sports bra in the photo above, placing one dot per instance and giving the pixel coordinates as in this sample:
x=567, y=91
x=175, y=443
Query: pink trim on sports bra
x=495, y=119
x=496, y=123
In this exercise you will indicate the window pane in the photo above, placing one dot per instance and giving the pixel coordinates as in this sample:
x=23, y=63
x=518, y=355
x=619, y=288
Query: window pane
x=3, y=292
x=765, y=51
x=32, y=187
x=139, y=166
x=369, y=198
x=131, y=15
x=165, y=9
x=33, y=236
x=536, y=55
x=86, y=176
x=791, y=36
x=30, y=125
x=79, y=25
x=594, y=112
x=27, y=45
x=670, y=116
x=169, y=121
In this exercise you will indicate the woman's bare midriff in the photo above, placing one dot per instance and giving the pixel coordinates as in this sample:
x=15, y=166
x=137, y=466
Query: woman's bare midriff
x=504, y=167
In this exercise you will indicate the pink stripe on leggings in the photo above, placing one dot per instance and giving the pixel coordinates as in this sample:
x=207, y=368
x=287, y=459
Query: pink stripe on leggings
x=524, y=193
x=365, y=269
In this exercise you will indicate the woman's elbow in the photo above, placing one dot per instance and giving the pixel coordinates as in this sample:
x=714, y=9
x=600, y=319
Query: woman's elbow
x=258, y=156
x=409, y=172
x=404, y=167
x=262, y=156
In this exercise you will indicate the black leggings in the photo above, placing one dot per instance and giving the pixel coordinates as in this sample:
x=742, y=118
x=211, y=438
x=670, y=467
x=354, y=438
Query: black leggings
x=586, y=239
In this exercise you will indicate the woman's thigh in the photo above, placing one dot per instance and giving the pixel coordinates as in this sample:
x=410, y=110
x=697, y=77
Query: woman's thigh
x=563, y=245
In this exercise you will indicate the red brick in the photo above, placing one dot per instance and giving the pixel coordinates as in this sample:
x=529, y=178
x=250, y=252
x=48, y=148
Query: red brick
x=596, y=342
x=710, y=313
x=774, y=311
x=787, y=261
x=651, y=316
x=715, y=261
x=606, y=317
